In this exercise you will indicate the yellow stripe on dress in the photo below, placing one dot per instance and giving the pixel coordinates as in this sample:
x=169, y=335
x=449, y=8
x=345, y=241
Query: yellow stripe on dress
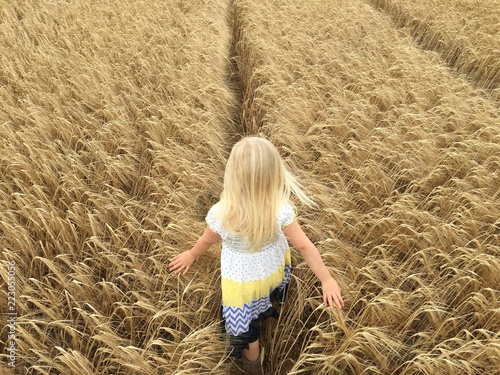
x=237, y=294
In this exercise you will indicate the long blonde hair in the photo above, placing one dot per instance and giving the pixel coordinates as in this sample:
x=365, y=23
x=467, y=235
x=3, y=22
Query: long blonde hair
x=256, y=185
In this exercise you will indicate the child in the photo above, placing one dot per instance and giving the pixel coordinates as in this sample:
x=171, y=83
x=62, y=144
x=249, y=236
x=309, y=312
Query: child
x=255, y=219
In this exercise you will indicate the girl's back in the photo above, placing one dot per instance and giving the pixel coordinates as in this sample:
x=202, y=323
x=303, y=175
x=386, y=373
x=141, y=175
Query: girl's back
x=251, y=280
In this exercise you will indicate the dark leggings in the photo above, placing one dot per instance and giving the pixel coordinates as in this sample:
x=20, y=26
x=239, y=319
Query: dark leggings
x=238, y=343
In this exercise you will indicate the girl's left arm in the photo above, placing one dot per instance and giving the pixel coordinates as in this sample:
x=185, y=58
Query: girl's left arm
x=299, y=240
x=183, y=261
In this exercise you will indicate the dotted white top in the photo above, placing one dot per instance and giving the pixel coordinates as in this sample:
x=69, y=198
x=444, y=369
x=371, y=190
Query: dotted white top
x=240, y=264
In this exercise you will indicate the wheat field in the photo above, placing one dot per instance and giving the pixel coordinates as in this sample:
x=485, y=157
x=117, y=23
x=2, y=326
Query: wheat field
x=116, y=119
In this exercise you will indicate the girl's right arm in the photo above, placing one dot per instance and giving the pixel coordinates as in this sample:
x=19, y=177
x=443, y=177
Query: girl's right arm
x=183, y=261
x=331, y=289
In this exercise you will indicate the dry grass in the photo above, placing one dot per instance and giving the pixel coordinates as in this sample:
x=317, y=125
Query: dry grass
x=464, y=33
x=403, y=158
x=117, y=117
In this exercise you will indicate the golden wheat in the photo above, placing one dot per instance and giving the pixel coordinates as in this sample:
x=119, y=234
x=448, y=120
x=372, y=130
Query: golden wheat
x=464, y=33
x=117, y=117
x=402, y=156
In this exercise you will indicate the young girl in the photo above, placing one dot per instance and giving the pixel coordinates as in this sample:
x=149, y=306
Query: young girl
x=254, y=218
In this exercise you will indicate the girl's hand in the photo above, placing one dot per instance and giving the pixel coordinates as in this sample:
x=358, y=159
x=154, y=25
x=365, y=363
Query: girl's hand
x=331, y=293
x=182, y=262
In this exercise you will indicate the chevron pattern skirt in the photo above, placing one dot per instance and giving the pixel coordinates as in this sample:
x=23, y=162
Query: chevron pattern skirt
x=239, y=342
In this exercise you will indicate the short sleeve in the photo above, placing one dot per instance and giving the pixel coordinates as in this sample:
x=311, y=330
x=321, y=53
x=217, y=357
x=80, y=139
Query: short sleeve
x=213, y=221
x=286, y=215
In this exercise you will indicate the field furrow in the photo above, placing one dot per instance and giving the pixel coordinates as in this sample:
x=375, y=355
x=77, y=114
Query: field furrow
x=465, y=34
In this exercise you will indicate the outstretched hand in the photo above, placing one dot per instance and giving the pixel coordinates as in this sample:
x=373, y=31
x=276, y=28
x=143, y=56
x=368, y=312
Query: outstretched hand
x=331, y=293
x=182, y=262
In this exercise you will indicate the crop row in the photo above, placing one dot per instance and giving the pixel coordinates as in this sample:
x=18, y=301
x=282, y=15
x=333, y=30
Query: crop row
x=402, y=157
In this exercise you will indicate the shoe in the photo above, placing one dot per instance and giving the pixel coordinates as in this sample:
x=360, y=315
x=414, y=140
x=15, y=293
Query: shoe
x=253, y=367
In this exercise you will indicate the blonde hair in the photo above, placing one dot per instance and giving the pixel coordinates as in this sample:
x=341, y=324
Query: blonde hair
x=256, y=185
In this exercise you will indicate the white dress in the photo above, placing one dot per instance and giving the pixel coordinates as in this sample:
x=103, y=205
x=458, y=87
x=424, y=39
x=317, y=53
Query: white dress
x=249, y=278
